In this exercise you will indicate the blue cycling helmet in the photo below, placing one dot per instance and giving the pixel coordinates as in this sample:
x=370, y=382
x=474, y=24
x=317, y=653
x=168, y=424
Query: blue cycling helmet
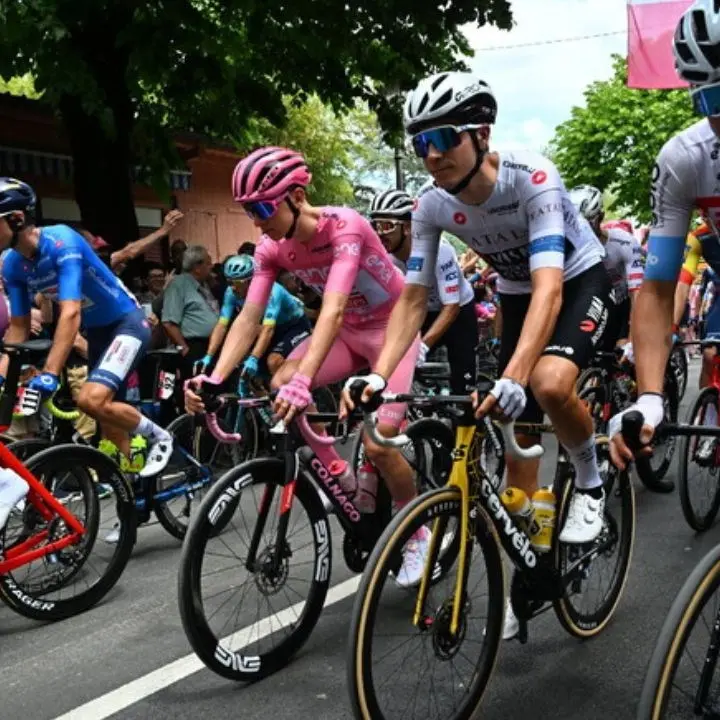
x=16, y=195
x=238, y=267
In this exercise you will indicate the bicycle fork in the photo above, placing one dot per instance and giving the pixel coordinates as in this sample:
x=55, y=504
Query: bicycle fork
x=277, y=554
x=459, y=480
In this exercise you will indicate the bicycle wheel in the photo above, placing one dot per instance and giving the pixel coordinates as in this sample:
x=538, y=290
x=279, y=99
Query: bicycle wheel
x=251, y=495
x=24, y=449
x=700, y=508
x=679, y=365
x=58, y=585
x=591, y=377
x=667, y=671
x=465, y=661
x=429, y=452
x=181, y=485
x=663, y=452
x=224, y=456
x=577, y=613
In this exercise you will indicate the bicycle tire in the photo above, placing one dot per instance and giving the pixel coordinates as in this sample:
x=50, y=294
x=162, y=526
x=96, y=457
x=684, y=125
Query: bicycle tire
x=438, y=436
x=694, y=519
x=671, y=404
x=223, y=498
x=34, y=606
x=25, y=449
x=679, y=364
x=587, y=625
x=182, y=428
x=700, y=585
x=591, y=373
x=382, y=560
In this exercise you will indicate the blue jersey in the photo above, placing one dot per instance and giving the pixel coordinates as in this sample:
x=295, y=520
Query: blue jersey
x=282, y=307
x=66, y=268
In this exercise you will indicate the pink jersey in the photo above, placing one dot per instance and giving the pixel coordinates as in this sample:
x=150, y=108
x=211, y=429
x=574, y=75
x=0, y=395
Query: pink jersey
x=345, y=256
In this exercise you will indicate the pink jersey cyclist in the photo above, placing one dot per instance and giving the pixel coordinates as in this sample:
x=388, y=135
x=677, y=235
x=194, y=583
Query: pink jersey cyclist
x=344, y=256
x=337, y=254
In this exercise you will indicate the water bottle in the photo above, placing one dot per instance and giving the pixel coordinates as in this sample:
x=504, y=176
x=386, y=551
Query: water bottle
x=367, y=483
x=344, y=476
x=519, y=506
x=543, y=501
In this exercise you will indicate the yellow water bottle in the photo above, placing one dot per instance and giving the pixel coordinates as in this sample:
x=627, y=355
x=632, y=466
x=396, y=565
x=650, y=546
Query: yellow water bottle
x=543, y=502
x=519, y=506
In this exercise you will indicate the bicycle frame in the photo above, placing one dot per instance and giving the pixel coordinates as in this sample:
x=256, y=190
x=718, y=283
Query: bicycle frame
x=42, y=499
x=512, y=538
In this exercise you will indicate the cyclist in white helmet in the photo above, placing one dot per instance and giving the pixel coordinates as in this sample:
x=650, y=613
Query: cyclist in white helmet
x=451, y=321
x=514, y=211
x=623, y=261
x=684, y=178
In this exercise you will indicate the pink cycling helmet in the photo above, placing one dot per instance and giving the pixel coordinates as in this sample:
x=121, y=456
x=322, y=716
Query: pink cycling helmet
x=269, y=173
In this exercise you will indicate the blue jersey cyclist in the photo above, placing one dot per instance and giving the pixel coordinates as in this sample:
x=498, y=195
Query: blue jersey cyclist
x=57, y=262
x=284, y=326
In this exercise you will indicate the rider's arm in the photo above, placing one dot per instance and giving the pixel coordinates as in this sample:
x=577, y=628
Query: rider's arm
x=69, y=263
x=673, y=187
x=693, y=253
x=447, y=277
x=138, y=247
x=220, y=330
x=68, y=326
x=410, y=310
x=216, y=337
x=263, y=342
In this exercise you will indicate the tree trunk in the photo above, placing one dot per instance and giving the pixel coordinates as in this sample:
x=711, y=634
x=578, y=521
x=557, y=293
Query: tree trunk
x=102, y=174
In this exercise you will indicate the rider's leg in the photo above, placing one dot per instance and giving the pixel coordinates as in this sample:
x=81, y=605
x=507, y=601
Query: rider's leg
x=113, y=353
x=339, y=363
x=274, y=362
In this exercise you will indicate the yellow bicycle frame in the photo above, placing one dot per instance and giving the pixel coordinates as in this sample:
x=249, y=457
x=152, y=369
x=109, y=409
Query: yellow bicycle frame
x=464, y=435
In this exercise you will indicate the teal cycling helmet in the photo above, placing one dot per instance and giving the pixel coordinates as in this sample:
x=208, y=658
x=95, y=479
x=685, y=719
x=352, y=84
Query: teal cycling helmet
x=238, y=267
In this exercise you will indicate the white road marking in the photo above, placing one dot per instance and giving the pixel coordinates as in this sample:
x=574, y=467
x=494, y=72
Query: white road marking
x=136, y=690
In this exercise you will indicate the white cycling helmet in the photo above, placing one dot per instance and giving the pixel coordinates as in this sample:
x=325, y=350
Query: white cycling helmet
x=588, y=200
x=449, y=98
x=697, y=43
x=391, y=203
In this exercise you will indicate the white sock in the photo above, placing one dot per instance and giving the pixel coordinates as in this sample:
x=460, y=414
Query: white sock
x=584, y=459
x=711, y=415
x=147, y=428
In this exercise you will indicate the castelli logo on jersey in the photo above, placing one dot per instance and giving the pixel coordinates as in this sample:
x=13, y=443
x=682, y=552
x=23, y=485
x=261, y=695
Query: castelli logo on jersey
x=538, y=177
x=459, y=218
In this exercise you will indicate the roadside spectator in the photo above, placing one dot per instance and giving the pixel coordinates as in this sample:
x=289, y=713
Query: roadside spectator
x=190, y=310
x=119, y=259
x=177, y=250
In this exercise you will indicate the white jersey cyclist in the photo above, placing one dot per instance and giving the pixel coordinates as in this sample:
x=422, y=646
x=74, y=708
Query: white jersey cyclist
x=527, y=223
x=450, y=286
x=686, y=176
x=624, y=263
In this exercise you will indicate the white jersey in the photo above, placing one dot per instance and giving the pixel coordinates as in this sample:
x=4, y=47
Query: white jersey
x=527, y=223
x=686, y=176
x=623, y=262
x=450, y=287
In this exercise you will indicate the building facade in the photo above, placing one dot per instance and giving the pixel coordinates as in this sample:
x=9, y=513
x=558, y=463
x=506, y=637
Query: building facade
x=34, y=149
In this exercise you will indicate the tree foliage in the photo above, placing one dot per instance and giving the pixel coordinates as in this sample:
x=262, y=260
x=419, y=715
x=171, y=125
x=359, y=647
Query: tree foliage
x=612, y=141
x=124, y=73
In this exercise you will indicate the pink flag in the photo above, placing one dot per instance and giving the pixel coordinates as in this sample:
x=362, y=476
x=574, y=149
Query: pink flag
x=651, y=24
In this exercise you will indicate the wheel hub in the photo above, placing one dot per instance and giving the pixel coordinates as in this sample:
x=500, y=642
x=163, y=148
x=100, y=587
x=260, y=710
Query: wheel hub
x=270, y=577
x=446, y=644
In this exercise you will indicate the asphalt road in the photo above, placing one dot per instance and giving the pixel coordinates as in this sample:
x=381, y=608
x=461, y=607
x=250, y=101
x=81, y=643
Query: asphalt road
x=122, y=656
